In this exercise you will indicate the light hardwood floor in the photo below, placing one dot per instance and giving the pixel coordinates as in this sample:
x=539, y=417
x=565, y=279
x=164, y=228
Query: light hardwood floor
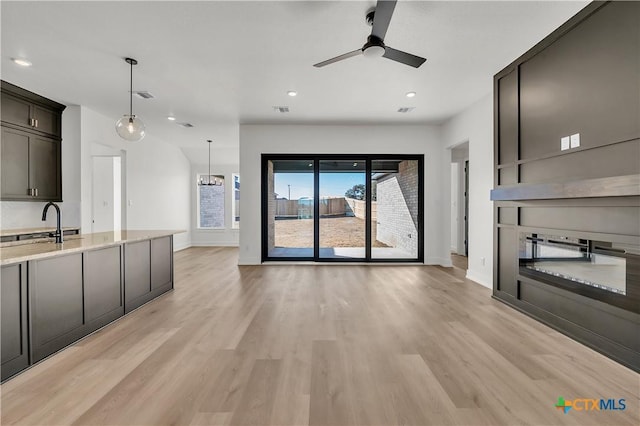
x=319, y=345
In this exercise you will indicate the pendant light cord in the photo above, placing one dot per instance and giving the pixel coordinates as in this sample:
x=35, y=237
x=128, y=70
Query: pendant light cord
x=131, y=91
x=209, y=162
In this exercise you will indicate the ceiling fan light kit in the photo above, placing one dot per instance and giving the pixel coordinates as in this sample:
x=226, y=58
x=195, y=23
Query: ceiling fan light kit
x=379, y=19
x=130, y=127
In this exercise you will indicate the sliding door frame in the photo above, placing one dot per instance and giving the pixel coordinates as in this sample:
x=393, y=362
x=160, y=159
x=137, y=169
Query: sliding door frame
x=316, y=205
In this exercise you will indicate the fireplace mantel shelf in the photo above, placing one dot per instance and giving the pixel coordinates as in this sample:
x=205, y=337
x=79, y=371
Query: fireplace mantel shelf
x=618, y=186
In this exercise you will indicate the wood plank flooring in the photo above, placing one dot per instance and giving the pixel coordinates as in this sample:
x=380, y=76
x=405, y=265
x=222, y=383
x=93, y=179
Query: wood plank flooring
x=319, y=345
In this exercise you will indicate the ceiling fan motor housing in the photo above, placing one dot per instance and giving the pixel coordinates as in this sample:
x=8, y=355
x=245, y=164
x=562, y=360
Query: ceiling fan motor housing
x=374, y=47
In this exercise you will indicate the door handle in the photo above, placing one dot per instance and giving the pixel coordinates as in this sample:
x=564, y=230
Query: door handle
x=36, y=120
x=36, y=191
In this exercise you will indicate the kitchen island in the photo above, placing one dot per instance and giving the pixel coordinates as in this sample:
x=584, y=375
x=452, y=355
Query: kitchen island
x=54, y=294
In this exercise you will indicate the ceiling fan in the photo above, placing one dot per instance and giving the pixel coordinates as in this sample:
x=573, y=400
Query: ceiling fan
x=379, y=19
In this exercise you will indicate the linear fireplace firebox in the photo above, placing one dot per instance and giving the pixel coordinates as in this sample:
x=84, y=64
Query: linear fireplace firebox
x=602, y=270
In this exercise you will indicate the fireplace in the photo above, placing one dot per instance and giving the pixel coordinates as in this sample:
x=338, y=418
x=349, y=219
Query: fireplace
x=604, y=270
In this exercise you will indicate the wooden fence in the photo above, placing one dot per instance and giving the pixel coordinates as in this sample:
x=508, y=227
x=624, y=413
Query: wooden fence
x=338, y=206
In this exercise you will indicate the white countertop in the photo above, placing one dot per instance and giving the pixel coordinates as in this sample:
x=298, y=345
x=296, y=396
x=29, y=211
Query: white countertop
x=76, y=243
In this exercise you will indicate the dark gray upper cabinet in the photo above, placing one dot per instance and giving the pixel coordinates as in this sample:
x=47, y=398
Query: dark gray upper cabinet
x=31, y=146
x=585, y=82
x=14, y=154
x=15, y=346
x=29, y=111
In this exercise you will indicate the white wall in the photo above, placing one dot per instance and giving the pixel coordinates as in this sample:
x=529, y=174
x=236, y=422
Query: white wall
x=23, y=214
x=157, y=177
x=347, y=139
x=214, y=237
x=474, y=125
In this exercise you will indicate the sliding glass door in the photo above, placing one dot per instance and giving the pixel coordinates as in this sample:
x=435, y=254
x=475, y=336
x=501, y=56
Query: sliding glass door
x=342, y=208
x=290, y=208
x=342, y=203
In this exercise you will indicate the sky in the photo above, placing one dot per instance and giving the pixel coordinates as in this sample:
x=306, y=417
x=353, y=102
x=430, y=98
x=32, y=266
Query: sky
x=331, y=184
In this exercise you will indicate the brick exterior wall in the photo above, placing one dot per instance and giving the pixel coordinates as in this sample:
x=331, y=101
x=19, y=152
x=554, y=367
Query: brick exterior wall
x=397, y=203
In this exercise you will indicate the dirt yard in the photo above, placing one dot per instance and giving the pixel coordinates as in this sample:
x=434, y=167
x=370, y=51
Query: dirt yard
x=334, y=232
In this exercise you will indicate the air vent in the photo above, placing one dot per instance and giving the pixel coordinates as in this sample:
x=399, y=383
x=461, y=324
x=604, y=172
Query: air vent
x=281, y=109
x=187, y=125
x=406, y=109
x=143, y=95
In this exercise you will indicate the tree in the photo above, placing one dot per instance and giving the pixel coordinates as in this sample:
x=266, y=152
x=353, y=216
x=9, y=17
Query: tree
x=357, y=192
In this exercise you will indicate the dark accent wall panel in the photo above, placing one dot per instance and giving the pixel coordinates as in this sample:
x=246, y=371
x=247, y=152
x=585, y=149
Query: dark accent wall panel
x=584, y=82
x=581, y=79
x=607, y=220
x=508, y=111
x=618, y=326
x=507, y=260
x=611, y=160
x=507, y=176
x=508, y=215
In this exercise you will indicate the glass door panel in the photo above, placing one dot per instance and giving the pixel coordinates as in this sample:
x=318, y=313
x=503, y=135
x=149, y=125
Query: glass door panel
x=394, y=209
x=342, y=209
x=290, y=227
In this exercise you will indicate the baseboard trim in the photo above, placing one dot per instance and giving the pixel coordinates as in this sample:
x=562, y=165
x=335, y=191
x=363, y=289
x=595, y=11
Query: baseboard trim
x=479, y=279
x=215, y=244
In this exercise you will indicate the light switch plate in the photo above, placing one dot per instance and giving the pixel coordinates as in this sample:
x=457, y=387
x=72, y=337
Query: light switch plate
x=565, y=143
x=575, y=140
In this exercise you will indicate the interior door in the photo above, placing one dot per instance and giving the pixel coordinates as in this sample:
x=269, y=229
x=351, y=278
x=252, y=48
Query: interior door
x=103, y=219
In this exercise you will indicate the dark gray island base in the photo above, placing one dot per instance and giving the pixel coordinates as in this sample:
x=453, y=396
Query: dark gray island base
x=55, y=294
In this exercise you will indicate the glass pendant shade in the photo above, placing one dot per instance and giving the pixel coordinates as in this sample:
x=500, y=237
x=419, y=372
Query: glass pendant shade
x=130, y=128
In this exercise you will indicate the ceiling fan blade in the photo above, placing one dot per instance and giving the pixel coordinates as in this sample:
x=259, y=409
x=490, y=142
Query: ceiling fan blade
x=403, y=57
x=382, y=17
x=339, y=58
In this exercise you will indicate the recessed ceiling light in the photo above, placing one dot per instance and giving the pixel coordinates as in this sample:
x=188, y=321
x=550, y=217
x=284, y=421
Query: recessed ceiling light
x=411, y=94
x=292, y=93
x=171, y=118
x=22, y=62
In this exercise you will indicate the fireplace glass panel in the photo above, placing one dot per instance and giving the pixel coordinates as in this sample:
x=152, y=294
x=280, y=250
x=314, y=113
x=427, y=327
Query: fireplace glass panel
x=593, y=263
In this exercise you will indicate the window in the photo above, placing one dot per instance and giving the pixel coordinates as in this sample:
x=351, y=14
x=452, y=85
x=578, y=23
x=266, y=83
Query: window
x=210, y=202
x=235, y=205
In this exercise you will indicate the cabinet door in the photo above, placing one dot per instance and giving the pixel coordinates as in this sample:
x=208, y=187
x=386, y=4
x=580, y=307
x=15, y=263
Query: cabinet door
x=47, y=120
x=102, y=283
x=44, y=168
x=161, y=260
x=16, y=111
x=137, y=274
x=15, y=164
x=56, y=298
x=15, y=354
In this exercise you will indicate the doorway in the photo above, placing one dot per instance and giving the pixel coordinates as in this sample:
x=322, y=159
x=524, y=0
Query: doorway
x=460, y=211
x=342, y=208
x=106, y=194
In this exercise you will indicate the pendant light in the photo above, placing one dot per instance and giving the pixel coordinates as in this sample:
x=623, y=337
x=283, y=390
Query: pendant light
x=209, y=182
x=130, y=127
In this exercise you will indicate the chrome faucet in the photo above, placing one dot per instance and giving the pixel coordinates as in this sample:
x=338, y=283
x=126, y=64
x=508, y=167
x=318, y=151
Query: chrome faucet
x=58, y=233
